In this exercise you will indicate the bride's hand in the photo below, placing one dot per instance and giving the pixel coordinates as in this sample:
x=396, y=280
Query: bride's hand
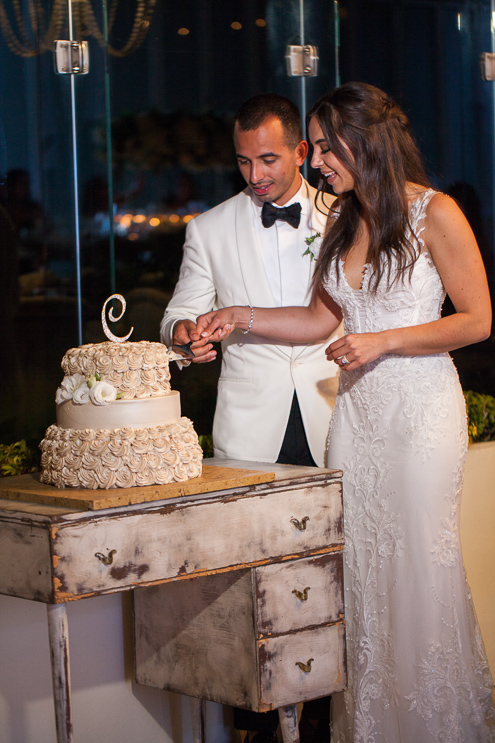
x=219, y=322
x=352, y=351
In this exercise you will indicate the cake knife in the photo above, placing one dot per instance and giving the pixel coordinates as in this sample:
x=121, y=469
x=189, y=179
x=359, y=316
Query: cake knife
x=183, y=350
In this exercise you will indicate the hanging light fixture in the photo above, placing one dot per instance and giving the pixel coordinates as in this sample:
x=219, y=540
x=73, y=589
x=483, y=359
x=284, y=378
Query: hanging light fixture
x=37, y=28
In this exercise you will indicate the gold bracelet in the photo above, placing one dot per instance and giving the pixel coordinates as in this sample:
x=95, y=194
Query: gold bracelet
x=245, y=332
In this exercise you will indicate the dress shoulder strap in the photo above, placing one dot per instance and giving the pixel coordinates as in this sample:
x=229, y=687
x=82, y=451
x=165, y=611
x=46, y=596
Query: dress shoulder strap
x=418, y=214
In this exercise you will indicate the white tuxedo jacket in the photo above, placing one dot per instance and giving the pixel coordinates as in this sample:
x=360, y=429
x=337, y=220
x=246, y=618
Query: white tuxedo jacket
x=222, y=266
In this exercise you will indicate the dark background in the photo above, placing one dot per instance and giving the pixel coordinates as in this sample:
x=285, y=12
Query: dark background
x=153, y=141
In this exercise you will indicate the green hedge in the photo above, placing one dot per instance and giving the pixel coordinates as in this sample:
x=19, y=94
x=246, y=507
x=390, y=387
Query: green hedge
x=19, y=458
x=206, y=443
x=481, y=416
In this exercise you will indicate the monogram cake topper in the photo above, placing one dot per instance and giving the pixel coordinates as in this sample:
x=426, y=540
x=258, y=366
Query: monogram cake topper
x=112, y=317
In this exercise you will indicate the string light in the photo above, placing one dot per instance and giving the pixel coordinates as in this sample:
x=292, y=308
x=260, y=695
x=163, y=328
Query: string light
x=85, y=25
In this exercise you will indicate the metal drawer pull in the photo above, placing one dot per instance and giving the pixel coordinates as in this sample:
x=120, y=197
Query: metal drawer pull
x=302, y=595
x=106, y=559
x=306, y=667
x=301, y=525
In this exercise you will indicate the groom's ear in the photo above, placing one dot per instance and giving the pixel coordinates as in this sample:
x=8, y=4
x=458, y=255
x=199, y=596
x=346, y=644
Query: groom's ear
x=301, y=152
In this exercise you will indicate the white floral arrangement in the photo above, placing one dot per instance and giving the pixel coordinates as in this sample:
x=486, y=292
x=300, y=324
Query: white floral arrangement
x=313, y=245
x=81, y=390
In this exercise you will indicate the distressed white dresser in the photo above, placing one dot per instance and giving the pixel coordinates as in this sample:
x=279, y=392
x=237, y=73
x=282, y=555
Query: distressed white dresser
x=239, y=580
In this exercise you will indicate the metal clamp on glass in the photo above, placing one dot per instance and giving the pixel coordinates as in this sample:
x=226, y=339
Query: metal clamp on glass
x=302, y=61
x=71, y=57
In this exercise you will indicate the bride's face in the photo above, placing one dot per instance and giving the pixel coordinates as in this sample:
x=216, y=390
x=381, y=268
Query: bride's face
x=335, y=173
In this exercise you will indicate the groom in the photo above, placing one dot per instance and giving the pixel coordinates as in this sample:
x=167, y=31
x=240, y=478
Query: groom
x=274, y=400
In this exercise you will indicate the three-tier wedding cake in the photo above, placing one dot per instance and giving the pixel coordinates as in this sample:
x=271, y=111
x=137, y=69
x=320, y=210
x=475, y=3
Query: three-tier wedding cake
x=119, y=423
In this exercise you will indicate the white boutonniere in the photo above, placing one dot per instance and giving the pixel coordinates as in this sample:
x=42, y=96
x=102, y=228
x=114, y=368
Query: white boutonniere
x=313, y=245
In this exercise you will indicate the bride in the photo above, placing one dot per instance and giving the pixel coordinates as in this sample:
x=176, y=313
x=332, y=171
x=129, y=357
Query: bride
x=417, y=668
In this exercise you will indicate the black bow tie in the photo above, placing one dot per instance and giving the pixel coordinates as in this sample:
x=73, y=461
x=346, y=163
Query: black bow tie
x=290, y=214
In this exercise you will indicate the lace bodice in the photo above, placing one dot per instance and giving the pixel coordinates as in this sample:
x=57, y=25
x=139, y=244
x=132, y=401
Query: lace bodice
x=416, y=300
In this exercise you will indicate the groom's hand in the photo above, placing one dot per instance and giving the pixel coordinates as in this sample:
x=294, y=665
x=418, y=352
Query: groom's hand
x=185, y=331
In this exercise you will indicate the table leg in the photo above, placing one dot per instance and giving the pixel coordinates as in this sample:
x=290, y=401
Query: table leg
x=59, y=651
x=289, y=723
x=198, y=714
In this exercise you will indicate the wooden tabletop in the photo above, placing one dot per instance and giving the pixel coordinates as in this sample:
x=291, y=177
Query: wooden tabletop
x=28, y=488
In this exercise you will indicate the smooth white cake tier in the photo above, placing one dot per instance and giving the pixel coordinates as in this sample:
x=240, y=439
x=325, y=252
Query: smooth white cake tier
x=151, y=411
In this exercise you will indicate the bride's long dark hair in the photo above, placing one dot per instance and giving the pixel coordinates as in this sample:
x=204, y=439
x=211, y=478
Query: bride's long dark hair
x=369, y=133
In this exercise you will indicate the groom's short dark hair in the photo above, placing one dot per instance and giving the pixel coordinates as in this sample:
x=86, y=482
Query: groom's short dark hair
x=256, y=110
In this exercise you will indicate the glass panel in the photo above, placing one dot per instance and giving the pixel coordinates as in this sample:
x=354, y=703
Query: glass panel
x=174, y=81
x=36, y=171
x=45, y=120
x=174, y=74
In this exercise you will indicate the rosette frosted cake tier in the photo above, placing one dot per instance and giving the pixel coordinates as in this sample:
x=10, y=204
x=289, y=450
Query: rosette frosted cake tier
x=119, y=424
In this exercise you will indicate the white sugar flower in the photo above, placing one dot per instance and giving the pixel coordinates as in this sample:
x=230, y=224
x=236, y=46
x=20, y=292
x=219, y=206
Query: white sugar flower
x=102, y=393
x=81, y=395
x=68, y=387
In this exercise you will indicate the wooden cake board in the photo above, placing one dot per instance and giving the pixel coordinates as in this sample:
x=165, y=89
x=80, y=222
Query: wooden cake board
x=29, y=489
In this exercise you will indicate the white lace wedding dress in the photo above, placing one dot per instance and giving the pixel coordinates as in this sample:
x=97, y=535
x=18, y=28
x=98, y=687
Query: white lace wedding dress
x=417, y=668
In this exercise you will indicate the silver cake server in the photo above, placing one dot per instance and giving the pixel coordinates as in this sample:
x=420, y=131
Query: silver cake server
x=183, y=350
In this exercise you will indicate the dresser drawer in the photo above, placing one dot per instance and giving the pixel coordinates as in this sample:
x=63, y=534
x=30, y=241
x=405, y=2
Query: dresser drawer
x=199, y=638
x=25, y=561
x=103, y=553
x=299, y=594
x=321, y=655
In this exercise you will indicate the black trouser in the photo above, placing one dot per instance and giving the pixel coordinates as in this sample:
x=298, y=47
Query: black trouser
x=294, y=450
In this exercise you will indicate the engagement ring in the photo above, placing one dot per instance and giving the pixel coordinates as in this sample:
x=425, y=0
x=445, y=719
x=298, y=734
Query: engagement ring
x=344, y=360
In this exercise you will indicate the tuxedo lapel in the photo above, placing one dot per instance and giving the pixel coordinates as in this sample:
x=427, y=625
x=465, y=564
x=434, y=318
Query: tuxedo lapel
x=251, y=262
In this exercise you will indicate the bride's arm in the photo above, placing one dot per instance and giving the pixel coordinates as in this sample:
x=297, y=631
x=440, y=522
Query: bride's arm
x=458, y=260
x=456, y=255
x=291, y=324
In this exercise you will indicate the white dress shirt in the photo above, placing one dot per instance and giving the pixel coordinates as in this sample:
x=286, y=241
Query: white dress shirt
x=282, y=247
